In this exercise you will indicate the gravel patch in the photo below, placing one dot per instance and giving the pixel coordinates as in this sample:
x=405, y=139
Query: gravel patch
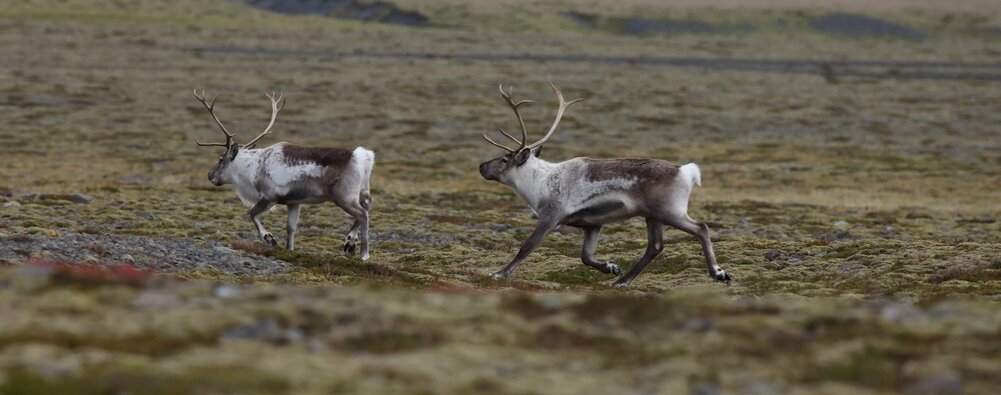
x=160, y=254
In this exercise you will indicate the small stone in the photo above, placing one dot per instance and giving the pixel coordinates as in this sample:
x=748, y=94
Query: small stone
x=316, y=345
x=945, y=383
x=901, y=313
x=89, y=258
x=499, y=227
x=842, y=224
x=145, y=215
x=128, y=258
x=12, y=204
x=156, y=299
x=771, y=255
x=267, y=329
x=705, y=389
x=761, y=387
x=80, y=198
x=225, y=291
x=697, y=325
x=223, y=250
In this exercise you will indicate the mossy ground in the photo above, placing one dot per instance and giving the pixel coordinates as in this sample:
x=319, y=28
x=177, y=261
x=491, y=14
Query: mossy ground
x=869, y=188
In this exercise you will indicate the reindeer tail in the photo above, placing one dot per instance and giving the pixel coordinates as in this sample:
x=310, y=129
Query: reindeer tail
x=690, y=174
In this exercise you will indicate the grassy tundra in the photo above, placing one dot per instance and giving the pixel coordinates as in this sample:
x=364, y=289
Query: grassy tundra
x=851, y=183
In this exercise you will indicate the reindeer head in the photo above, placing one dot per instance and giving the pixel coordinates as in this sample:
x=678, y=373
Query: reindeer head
x=219, y=175
x=500, y=169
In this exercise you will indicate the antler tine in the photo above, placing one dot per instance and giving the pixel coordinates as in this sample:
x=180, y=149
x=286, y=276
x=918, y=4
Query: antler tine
x=514, y=107
x=508, y=136
x=211, y=108
x=559, y=114
x=496, y=144
x=275, y=109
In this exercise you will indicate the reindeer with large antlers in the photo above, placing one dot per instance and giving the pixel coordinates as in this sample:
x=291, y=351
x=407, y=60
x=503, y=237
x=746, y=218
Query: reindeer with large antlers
x=292, y=175
x=589, y=193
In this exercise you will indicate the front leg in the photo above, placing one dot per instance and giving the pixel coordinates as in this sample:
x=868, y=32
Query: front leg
x=541, y=230
x=255, y=216
x=293, y=226
x=587, y=253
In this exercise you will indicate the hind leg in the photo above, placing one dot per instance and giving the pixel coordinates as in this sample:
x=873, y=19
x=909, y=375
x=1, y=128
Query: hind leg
x=700, y=231
x=587, y=253
x=655, y=244
x=355, y=209
x=351, y=239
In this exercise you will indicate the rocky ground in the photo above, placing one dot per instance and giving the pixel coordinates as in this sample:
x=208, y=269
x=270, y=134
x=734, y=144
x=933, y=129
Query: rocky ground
x=850, y=182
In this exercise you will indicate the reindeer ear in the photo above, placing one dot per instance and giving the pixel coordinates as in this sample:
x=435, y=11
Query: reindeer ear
x=537, y=151
x=233, y=150
x=522, y=156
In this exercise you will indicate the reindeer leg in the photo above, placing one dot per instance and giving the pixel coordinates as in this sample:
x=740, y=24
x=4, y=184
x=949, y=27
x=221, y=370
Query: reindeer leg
x=293, y=226
x=539, y=234
x=351, y=238
x=655, y=243
x=356, y=210
x=587, y=253
x=255, y=216
x=701, y=231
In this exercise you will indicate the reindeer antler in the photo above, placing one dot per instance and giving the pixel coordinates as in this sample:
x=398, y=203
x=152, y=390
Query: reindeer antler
x=524, y=131
x=559, y=115
x=211, y=108
x=275, y=108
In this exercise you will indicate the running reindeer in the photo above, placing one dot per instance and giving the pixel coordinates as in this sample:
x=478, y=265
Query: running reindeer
x=292, y=175
x=589, y=193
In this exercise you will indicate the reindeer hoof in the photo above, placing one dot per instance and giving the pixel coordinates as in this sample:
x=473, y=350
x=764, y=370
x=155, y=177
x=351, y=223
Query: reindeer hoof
x=620, y=284
x=722, y=277
x=270, y=240
x=350, y=242
x=498, y=276
x=612, y=268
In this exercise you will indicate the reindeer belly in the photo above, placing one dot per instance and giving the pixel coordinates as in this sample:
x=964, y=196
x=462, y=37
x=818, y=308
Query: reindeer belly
x=599, y=214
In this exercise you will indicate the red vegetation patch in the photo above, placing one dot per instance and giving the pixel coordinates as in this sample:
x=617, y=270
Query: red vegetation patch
x=251, y=247
x=69, y=273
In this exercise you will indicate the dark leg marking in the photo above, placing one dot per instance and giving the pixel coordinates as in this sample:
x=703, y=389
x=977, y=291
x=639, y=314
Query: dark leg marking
x=538, y=235
x=655, y=244
x=587, y=253
x=701, y=232
x=255, y=213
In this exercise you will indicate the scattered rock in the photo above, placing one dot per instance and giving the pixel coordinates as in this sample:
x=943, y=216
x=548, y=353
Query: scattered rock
x=697, y=325
x=842, y=225
x=947, y=383
x=12, y=204
x=705, y=389
x=81, y=199
x=902, y=312
x=160, y=254
x=225, y=291
x=156, y=299
x=760, y=387
x=771, y=255
x=266, y=329
x=499, y=227
x=146, y=215
x=223, y=250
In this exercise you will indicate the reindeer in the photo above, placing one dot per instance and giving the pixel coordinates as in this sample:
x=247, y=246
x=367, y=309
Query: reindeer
x=588, y=193
x=292, y=175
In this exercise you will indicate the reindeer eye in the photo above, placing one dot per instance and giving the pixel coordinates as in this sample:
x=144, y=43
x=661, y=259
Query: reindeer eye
x=503, y=160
